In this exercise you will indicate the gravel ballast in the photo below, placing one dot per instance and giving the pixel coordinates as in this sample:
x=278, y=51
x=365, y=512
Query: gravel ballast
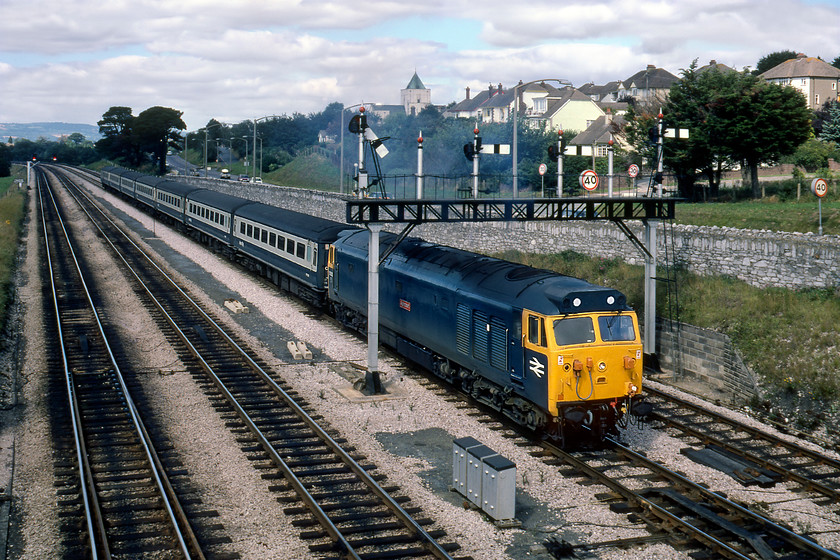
x=409, y=435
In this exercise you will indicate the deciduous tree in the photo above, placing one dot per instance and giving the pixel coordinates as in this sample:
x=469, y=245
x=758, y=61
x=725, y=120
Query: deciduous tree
x=116, y=129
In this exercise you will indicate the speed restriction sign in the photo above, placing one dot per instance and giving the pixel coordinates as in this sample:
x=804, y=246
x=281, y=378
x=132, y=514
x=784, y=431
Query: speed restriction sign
x=819, y=187
x=633, y=170
x=589, y=180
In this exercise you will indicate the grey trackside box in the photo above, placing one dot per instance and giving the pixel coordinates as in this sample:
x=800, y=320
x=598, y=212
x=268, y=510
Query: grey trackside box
x=498, y=487
x=475, y=469
x=459, y=463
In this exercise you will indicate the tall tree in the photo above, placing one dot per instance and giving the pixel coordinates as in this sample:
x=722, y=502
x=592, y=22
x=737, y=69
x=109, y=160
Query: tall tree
x=764, y=121
x=836, y=62
x=771, y=60
x=156, y=131
x=5, y=161
x=116, y=128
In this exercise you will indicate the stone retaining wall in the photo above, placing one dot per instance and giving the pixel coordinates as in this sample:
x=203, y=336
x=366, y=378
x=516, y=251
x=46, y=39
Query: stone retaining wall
x=705, y=355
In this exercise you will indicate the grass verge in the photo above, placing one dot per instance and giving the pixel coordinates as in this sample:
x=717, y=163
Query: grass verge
x=12, y=201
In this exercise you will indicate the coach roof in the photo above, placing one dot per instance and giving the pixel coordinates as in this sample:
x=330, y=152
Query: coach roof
x=303, y=225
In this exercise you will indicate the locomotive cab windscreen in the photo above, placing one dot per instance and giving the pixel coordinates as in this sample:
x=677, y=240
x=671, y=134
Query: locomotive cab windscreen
x=584, y=357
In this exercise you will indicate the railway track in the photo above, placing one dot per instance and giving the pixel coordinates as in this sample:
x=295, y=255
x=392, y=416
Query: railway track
x=748, y=454
x=117, y=484
x=670, y=506
x=690, y=514
x=683, y=513
x=342, y=506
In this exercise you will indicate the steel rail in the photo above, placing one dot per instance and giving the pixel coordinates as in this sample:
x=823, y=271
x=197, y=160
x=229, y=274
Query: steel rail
x=132, y=410
x=660, y=512
x=773, y=527
x=786, y=473
x=774, y=439
x=93, y=520
x=433, y=546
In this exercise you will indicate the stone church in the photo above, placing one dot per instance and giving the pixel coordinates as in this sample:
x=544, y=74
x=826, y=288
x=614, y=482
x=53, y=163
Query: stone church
x=415, y=97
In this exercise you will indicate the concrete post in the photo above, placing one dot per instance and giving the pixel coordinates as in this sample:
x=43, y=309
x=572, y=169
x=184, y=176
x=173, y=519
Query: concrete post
x=373, y=383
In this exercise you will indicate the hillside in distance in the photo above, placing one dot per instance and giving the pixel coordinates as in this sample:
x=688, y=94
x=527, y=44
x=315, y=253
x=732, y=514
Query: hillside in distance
x=50, y=131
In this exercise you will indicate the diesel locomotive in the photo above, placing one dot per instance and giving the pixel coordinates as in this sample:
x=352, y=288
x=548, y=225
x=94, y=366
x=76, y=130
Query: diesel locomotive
x=557, y=354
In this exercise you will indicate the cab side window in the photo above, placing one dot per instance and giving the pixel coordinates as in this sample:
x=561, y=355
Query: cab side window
x=536, y=330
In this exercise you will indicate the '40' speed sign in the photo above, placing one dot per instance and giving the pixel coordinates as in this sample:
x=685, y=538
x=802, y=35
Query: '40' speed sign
x=589, y=180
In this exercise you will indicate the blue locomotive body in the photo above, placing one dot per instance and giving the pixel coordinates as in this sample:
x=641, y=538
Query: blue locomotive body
x=460, y=315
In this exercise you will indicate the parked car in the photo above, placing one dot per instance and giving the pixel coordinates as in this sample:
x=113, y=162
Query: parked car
x=256, y=180
x=244, y=178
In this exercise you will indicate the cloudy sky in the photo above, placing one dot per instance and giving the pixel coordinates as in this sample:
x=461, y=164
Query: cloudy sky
x=70, y=60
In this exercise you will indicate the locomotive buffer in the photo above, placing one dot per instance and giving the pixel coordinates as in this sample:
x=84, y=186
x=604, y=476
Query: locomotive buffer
x=375, y=213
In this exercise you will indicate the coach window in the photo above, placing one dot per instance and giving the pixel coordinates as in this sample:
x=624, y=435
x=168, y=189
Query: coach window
x=272, y=239
x=242, y=228
x=290, y=246
x=250, y=231
x=264, y=236
x=301, y=250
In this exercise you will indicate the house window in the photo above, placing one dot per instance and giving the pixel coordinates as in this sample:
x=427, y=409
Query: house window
x=600, y=151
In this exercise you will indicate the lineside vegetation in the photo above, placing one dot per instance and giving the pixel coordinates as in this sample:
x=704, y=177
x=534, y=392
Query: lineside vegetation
x=12, y=202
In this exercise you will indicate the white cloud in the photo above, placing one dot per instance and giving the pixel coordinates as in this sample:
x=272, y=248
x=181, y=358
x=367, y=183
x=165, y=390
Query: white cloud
x=237, y=59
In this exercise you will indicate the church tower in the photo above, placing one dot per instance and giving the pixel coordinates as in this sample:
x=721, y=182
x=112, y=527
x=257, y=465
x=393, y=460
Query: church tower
x=415, y=96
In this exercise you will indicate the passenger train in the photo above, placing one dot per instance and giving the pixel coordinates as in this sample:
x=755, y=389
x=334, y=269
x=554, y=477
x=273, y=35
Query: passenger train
x=557, y=354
